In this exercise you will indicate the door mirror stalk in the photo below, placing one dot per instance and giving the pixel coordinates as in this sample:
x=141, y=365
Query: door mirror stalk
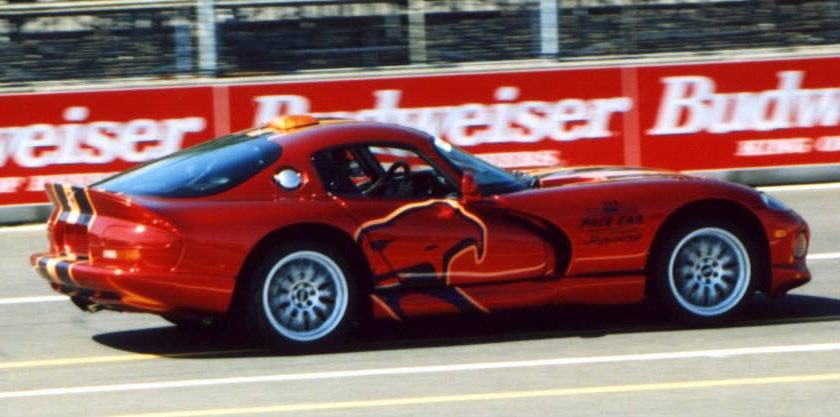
x=469, y=188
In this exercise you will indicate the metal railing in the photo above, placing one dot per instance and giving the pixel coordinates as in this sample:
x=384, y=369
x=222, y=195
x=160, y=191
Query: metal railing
x=115, y=39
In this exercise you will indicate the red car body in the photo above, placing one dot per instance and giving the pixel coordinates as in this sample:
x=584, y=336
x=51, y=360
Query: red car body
x=576, y=235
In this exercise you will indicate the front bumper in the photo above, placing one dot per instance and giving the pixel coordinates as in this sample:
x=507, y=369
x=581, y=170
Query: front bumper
x=113, y=288
x=788, y=277
x=787, y=270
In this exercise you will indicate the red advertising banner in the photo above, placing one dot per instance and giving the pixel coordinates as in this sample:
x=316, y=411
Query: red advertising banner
x=81, y=137
x=740, y=114
x=515, y=119
x=724, y=115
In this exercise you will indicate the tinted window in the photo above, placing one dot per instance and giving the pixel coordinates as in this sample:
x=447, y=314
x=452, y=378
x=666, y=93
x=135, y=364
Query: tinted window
x=491, y=179
x=201, y=170
x=342, y=171
x=380, y=171
x=421, y=180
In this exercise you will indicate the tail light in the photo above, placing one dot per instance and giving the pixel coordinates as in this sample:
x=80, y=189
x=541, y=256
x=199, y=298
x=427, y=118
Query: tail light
x=129, y=244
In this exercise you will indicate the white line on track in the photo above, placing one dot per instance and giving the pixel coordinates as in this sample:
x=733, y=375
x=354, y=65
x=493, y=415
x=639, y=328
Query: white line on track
x=823, y=256
x=802, y=187
x=372, y=404
x=416, y=370
x=38, y=299
x=40, y=227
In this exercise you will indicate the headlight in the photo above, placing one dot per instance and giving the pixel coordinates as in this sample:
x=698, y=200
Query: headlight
x=800, y=245
x=773, y=202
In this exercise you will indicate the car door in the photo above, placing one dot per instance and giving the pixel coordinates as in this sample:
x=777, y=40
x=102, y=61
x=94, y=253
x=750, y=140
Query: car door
x=413, y=228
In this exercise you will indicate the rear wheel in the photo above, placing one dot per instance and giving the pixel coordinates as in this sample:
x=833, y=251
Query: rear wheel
x=303, y=295
x=706, y=270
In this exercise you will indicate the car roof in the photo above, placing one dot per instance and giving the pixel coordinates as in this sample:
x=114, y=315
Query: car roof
x=313, y=134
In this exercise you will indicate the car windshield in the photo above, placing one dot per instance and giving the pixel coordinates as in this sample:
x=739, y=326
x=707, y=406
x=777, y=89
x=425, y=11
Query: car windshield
x=208, y=168
x=490, y=178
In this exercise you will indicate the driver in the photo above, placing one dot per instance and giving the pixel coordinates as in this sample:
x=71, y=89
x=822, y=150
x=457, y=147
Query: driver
x=341, y=161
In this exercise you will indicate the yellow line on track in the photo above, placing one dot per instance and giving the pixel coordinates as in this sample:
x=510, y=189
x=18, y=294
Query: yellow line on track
x=76, y=361
x=495, y=396
x=40, y=363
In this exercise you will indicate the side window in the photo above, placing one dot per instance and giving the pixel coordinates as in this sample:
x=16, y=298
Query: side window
x=406, y=174
x=387, y=156
x=380, y=171
x=341, y=171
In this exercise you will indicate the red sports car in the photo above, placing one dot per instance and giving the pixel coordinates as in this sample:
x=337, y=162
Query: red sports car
x=305, y=226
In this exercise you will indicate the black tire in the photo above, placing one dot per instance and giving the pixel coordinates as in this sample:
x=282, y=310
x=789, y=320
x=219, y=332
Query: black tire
x=705, y=270
x=302, y=296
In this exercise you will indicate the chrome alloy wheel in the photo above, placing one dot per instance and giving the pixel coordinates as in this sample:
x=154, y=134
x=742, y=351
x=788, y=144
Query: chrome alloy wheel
x=709, y=272
x=305, y=296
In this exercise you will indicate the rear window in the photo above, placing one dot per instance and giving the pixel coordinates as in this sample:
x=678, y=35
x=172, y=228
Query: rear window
x=205, y=169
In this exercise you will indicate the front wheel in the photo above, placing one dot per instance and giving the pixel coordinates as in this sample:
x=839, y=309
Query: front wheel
x=705, y=271
x=303, y=294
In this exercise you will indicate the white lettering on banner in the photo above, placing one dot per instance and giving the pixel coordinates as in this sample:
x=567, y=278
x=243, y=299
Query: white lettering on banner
x=691, y=105
x=763, y=147
x=828, y=144
x=97, y=142
x=11, y=184
x=524, y=159
x=469, y=124
x=37, y=182
x=789, y=146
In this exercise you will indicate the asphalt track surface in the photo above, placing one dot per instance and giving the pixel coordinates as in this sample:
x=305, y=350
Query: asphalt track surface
x=782, y=358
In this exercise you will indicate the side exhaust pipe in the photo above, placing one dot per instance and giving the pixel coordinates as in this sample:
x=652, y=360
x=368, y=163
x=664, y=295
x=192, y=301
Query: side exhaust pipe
x=85, y=304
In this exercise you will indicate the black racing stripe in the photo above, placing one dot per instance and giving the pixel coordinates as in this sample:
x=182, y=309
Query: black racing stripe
x=51, y=194
x=63, y=205
x=62, y=289
x=58, y=189
x=56, y=203
x=62, y=269
x=84, y=219
x=84, y=205
x=42, y=268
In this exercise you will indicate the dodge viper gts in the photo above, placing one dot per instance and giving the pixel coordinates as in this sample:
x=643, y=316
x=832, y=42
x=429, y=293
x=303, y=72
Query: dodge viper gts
x=302, y=228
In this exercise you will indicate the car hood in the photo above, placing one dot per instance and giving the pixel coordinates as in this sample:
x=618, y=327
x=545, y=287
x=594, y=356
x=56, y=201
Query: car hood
x=585, y=190
x=595, y=174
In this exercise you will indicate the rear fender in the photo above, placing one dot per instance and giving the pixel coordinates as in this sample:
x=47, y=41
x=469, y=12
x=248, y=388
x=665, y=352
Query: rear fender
x=103, y=227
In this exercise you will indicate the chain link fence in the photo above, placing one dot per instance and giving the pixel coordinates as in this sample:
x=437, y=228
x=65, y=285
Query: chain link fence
x=114, y=39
